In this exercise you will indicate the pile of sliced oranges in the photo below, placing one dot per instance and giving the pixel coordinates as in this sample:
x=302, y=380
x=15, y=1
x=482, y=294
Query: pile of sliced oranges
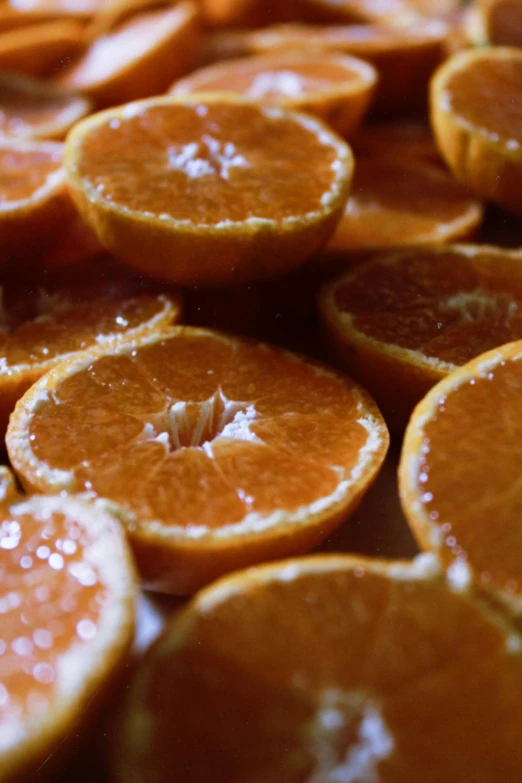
x=261, y=348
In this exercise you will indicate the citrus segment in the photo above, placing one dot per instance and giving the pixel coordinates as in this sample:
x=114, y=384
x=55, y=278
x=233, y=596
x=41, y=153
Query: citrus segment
x=395, y=203
x=67, y=621
x=39, y=49
x=458, y=476
x=402, y=322
x=47, y=319
x=240, y=469
x=327, y=669
x=208, y=190
x=32, y=109
x=336, y=88
x=139, y=57
x=481, y=139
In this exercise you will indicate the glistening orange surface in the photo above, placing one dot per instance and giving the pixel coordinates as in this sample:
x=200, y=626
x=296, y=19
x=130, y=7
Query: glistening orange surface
x=219, y=452
x=327, y=669
x=66, y=602
x=24, y=170
x=459, y=477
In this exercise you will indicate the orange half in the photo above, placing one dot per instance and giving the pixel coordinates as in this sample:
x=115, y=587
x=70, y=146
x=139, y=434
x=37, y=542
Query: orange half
x=494, y=22
x=336, y=88
x=208, y=190
x=67, y=605
x=328, y=669
x=402, y=322
x=219, y=453
x=40, y=49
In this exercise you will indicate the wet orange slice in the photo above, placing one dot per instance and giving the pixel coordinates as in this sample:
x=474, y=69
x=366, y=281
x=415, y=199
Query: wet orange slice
x=48, y=319
x=328, y=669
x=394, y=203
x=141, y=56
x=33, y=198
x=67, y=607
x=459, y=473
x=33, y=109
x=497, y=22
x=402, y=322
x=337, y=88
x=218, y=453
x=404, y=57
x=40, y=49
x=404, y=139
x=481, y=138
x=208, y=190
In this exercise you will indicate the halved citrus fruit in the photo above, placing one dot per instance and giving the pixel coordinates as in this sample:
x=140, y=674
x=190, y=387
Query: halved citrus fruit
x=67, y=607
x=495, y=22
x=402, y=322
x=406, y=139
x=398, y=12
x=33, y=197
x=219, y=453
x=49, y=318
x=208, y=190
x=141, y=56
x=459, y=477
x=12, y=19
x=249, y=13
x=394, y=203
x=481, y=138
x=39, y=49
x=328, y=669
x=337, y=88
x=34, y=109
x=404, y=57
x=81, y=8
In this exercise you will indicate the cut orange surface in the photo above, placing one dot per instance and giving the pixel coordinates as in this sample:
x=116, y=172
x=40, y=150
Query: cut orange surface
x=497, y=22
x=402, y=322
x=67, y=605
x=407, y=140
x=404, y=57
x=41, y=49
x=33, y=109
x=328, y=669
x=399, y=12
x=459, y=473
x=47, y=319
x=33, y=198
x=481, y=138
x=394, y=203
x=208, y=190
x=336, y=88
x=13, y=19
x=219, y=453
x=141, y=56
x=82, y=8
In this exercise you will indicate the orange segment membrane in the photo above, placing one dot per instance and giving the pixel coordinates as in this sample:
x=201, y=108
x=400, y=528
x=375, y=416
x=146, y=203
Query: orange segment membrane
x=215, y=155
x=455, y=499
x=50, y=599
x=23, y=171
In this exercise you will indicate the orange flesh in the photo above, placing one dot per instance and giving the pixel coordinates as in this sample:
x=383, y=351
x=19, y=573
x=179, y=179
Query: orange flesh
x=277, y=680
x=260, y=80
x=505, y=22
x=208, y=164
x=21, y=110
x=477, y=431
x=393, y=204
x=486, y=94
x=443, y=305
x=50, y=600
x=141, y=429
x=22, y=172
x=114, y=52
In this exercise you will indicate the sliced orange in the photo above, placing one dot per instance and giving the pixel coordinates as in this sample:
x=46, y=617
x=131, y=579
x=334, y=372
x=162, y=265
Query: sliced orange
x=328, y=669
x=497, y=22
x=337, y=88
x=481, y=138
x=407, y=139
x=395, y=203
x=34, y=109
x=404, y=57
x=67, y=606
x=141, y=56
x=33, y=198
x=208, y=190
x=249, y=13
x=219, y=453
x=402, y=322
x=399, y=12
x=41, y=49
x=81, y=8
x=459, y=473
x=12, y=19
x=47, y=319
